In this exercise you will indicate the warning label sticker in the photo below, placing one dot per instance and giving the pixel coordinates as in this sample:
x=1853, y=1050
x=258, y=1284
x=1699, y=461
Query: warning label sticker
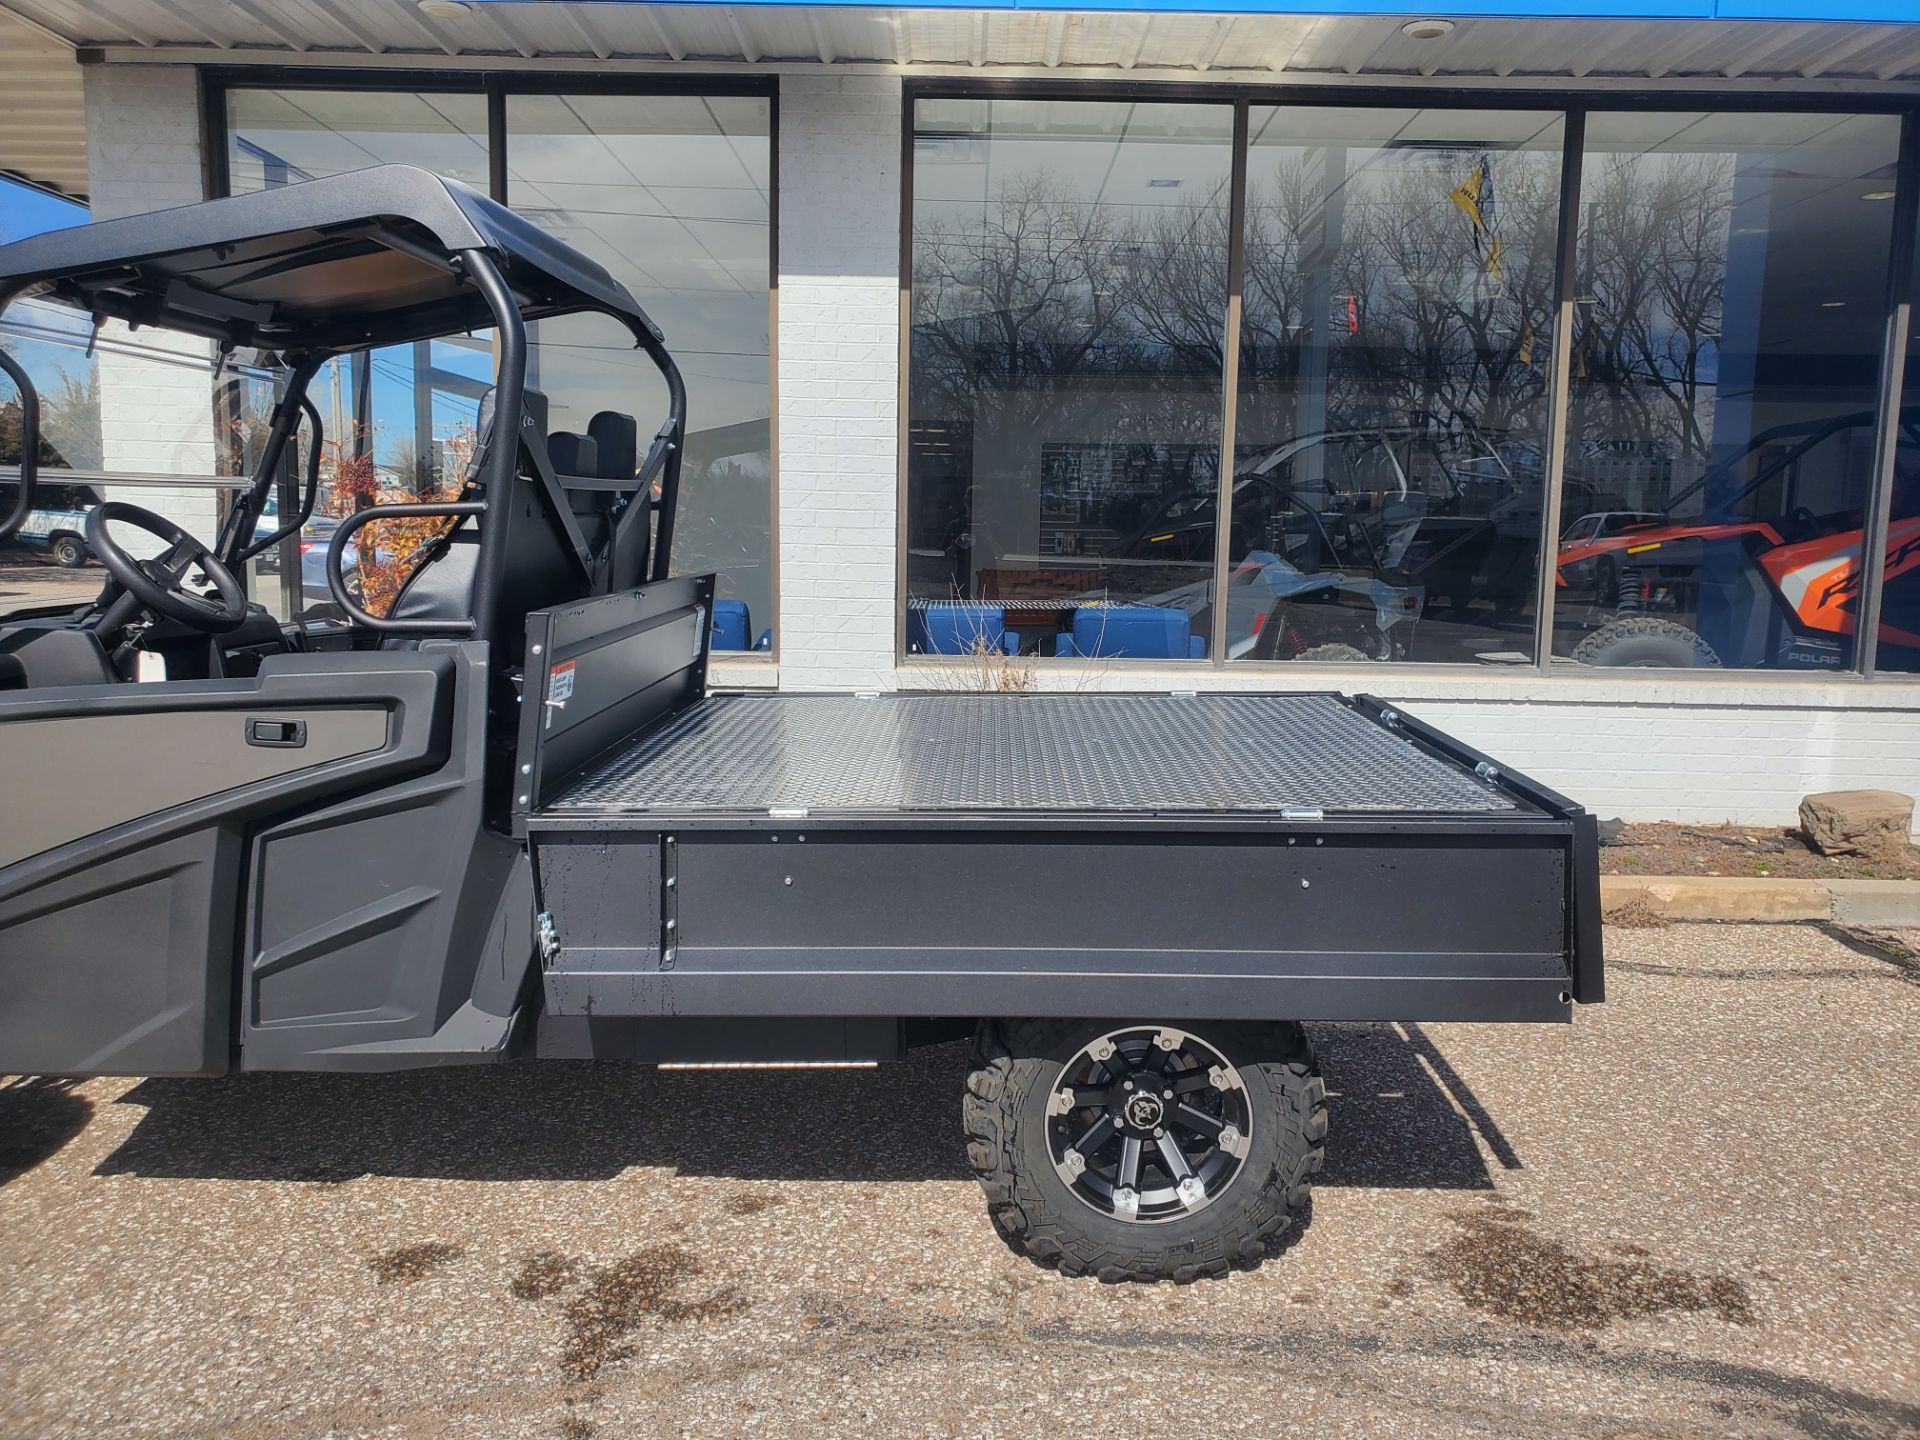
x=559, y=690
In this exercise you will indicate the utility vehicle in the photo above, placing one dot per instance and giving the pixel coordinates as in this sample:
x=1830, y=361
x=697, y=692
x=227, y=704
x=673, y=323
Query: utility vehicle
x=1760, y=579
x=508, y=818
x=57, y=523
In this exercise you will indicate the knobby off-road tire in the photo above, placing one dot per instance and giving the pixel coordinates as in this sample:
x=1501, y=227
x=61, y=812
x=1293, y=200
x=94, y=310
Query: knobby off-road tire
x=1333, y=652
x=1013, y=1138
x=1646, y=641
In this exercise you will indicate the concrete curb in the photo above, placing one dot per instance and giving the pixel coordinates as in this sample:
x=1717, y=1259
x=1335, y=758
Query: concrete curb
x=1894, y=904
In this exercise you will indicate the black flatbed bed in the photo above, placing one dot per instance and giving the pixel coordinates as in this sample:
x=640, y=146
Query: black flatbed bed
x=1197, y=855
x=1210, y=754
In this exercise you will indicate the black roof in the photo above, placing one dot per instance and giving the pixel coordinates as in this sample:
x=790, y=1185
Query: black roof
x=333, y=264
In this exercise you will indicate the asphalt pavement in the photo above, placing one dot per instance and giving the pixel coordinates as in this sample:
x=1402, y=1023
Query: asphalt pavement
x=1690, y=1213
x=34, y=580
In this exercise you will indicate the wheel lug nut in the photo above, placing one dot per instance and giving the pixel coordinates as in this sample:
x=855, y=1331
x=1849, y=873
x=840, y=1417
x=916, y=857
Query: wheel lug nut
x=1126, y=1084
x=1158, y=1132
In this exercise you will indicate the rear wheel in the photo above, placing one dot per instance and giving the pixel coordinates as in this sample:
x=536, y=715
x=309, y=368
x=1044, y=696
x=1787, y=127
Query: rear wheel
x=1334, y=652
x=70, y=551
x=1143, y=1151
x=1647, y=642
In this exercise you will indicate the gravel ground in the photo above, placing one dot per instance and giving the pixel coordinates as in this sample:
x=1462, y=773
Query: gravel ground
x=1691, y=1213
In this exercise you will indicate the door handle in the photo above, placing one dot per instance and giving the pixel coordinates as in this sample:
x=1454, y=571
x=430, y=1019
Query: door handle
x=276, y=734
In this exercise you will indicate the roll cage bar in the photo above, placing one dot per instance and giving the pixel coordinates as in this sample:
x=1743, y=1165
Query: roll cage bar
x=352, y=262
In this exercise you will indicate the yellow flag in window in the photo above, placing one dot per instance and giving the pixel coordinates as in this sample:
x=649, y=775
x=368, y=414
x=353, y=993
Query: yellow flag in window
x=1467, y=196
x=1526, y=343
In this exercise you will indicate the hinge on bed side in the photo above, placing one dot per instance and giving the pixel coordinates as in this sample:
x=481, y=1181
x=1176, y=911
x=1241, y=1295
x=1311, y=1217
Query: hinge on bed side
x=548, y=937
x=669, y=901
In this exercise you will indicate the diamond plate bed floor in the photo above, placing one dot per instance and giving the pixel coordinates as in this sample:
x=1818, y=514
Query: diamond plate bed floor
x=754, y=753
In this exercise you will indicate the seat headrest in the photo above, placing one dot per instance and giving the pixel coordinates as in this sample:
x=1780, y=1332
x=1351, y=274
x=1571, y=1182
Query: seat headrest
x=618, y=437
x=536, y=403
x=573, y=454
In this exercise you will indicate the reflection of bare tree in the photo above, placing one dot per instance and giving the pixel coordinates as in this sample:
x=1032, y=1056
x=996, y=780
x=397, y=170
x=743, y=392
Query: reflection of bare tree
x=1040, y=302
x=1653, y=268
x=1037, y=290
x=1286, y=218
x=1043, y=286
x=1373, y=296
x=1445, y=326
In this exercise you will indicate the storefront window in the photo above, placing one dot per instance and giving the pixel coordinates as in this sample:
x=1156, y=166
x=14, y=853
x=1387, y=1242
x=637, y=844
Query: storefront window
x=1721, y=425
x=1395, y=335
x=1065, y=395
x=673, y=194
x=281, y=137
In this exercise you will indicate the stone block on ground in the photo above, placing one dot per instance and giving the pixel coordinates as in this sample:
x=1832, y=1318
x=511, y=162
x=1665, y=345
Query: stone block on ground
x=1857, y=822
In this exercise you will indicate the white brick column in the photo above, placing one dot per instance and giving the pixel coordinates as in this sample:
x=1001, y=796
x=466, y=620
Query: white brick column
x=143, y=153
x=143, y=138
x=838, y=379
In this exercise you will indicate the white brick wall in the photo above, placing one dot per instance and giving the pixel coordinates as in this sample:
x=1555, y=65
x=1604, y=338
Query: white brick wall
x=143, y=138
x=1745, y=754
x=838, y=378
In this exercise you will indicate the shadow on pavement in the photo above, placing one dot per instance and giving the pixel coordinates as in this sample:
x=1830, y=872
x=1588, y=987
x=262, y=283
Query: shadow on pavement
x=1400, y=1116
x=1392, y=1124
x=37, y=1117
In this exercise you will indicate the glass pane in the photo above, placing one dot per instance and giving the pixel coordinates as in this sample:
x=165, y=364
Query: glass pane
x=399, y=421
x=1729, y=295
x=672, y=194
x=400, y=425
x=280, y=137
x=1069, y=314
x=1393, y=364
x=139, y=416
x=46, y=561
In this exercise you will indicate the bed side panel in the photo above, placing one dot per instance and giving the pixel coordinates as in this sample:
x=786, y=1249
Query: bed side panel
x=1456, y=926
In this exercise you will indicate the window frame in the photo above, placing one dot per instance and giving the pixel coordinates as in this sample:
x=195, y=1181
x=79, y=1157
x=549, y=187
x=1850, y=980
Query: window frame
x=218, y=81
x=1901, y=289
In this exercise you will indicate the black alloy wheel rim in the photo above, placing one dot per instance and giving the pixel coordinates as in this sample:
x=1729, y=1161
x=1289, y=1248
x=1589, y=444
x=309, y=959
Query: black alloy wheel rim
x=1148, y=1124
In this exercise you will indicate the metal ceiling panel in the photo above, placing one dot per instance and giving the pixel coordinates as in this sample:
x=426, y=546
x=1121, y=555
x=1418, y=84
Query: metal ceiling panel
x=1182, y=36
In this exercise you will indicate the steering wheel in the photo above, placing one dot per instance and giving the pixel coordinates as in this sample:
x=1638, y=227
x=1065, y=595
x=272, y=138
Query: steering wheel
x=159, y=584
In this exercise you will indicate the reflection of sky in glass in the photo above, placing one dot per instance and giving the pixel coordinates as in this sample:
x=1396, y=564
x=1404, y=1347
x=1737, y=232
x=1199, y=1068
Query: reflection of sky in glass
x=280, y=137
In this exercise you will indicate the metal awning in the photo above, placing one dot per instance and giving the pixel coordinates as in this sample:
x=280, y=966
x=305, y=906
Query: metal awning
x=42, y=124
x=942, y=35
